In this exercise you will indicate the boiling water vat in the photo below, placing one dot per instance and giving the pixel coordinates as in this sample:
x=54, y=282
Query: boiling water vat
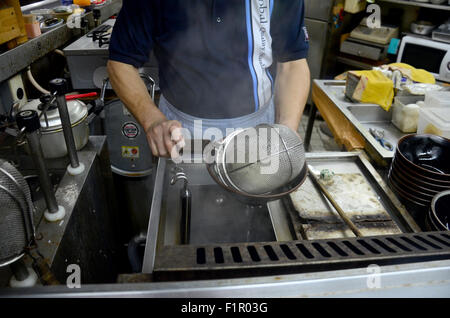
x=216, y=217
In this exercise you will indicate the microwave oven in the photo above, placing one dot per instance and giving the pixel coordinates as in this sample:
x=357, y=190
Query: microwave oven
x=426, y=54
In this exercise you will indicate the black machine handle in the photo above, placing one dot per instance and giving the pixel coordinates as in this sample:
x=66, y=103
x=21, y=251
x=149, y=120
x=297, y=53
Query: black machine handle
x=185, y=224
x=59, y=86
x=28, y=120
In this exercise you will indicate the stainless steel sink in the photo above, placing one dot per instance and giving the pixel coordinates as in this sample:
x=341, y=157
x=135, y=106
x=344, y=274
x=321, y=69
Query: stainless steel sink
x=370, y=114
x=373, y=116
x=217, y=217
x=364, y=117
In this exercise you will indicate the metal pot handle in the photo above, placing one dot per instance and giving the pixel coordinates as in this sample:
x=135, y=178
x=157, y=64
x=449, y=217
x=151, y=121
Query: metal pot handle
x=142, y=75
x=103, y=91
x=99, y=107
x=152, y=82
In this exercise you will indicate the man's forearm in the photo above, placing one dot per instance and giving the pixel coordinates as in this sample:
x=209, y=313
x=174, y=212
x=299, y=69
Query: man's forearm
x=130, y=88
x=291, y=92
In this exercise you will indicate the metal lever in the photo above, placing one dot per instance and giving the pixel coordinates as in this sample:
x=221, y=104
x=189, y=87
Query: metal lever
x=142, y=75
x=59, y=88
x=101, y=101
x=28, y=121
x=186, y=203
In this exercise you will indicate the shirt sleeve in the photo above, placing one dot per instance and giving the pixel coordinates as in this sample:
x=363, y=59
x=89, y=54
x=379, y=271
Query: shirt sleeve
x=290, y=40
x=131, y=39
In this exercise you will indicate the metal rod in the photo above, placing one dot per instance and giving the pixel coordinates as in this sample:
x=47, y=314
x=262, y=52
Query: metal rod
x=309, y=128
x=44, y=179
x=185, y=202
x=185, y=225
x=19, y=270
x=341, y=213
x=67, y=129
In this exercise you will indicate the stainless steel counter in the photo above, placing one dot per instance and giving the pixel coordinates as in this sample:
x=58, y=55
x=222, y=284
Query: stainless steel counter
x=420, y=280
x=363, y=117
x=88, y=234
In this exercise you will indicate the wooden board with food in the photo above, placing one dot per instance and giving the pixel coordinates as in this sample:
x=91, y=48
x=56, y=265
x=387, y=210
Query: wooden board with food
x=320, y=220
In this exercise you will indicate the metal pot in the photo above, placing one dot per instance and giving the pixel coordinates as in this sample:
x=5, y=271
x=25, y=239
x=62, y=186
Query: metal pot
x=50, y=24
x=422, y=27
x=52, y=136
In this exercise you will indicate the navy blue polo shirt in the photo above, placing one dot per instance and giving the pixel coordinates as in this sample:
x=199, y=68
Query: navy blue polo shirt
x=214, y=56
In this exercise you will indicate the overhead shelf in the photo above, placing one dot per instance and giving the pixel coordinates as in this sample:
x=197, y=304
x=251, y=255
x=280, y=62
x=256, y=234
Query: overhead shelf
x=17, y=59
x=420, y=4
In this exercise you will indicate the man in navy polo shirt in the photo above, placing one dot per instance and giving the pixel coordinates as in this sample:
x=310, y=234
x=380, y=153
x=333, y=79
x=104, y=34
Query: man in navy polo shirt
x=215, y=59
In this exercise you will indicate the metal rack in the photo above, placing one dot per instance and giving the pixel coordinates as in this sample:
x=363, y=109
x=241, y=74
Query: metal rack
x=420, y=4
x=17, y=59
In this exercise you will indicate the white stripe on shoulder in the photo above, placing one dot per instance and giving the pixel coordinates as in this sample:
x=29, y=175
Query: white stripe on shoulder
x=262, y=50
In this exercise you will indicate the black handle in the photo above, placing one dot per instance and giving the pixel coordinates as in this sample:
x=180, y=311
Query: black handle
x=28, y=119
x=59, y=86
x=185, y=226
x=97, y=14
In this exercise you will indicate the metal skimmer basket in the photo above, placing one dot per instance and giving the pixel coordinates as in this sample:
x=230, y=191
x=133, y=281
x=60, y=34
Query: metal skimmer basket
x=267, y=161
x=16, y=214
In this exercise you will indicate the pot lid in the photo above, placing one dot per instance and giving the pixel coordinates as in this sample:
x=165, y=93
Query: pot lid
x=51, y=121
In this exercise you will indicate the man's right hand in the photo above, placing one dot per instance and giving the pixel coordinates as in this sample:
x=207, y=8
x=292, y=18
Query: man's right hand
x=165, y=138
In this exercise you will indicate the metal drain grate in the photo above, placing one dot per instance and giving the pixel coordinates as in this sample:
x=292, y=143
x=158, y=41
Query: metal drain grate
x=276, y=258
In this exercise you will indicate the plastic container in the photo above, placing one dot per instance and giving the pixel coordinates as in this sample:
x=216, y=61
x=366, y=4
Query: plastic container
x=32, y=26
x=434, y=120
x=405, y=113
x=437, y=99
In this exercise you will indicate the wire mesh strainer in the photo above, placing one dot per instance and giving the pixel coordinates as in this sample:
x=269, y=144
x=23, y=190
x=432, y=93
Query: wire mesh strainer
x=264, y=161
x=16, y=214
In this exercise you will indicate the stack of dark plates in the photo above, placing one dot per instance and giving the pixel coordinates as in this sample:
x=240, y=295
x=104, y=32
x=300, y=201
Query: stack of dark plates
x=420, y=169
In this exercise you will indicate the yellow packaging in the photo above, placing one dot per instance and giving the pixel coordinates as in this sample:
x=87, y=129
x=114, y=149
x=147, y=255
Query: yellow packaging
x=82, y=3
x=373, y=88
x=414, y=74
